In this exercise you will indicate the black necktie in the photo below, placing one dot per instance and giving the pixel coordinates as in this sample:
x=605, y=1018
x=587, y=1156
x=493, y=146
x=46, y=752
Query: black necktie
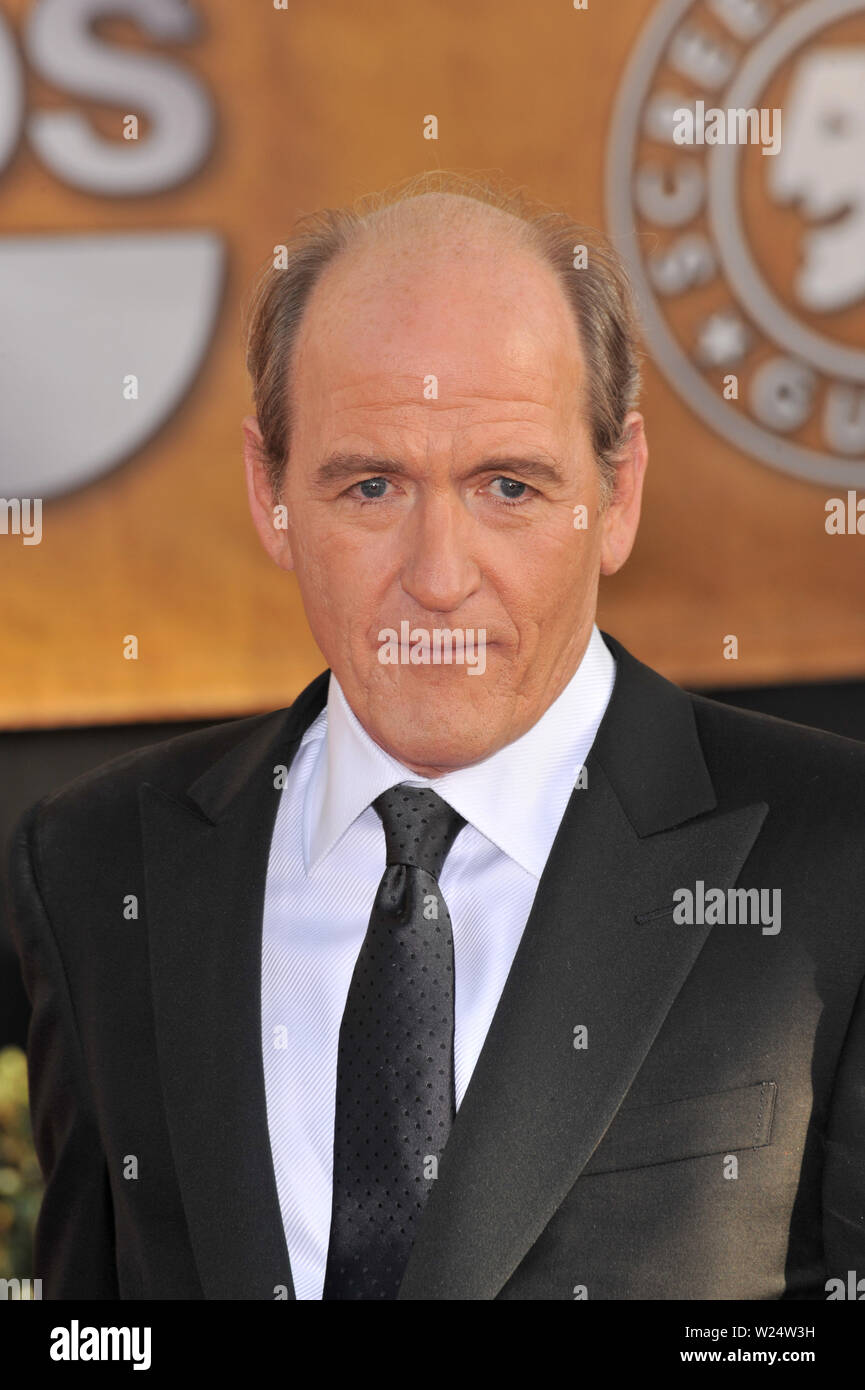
x=395, y=1067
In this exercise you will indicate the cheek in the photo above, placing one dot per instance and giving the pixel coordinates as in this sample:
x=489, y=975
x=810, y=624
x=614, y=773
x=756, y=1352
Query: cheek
x=320, y=553
x=554, y=571
x=336, y=558
x=341, y=589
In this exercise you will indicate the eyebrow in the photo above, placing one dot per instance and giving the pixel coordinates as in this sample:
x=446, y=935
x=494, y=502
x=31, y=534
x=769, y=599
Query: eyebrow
x=340, y=467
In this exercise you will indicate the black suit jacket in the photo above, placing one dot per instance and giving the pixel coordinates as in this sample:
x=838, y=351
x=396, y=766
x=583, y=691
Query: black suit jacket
x=606, y=1168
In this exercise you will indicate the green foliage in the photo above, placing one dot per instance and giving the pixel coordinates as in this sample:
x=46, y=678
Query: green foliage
x=20, y=1178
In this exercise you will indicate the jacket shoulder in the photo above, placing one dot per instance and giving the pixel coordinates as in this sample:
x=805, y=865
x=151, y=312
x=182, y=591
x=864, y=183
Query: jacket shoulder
x=98, y=811
x=171, y=761
x=777, y=756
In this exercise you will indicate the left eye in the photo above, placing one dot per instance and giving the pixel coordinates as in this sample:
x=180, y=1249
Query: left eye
x=376, y=484
x=513, y=491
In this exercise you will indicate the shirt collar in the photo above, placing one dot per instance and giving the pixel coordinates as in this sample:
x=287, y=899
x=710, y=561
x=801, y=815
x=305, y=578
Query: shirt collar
x=515, y=798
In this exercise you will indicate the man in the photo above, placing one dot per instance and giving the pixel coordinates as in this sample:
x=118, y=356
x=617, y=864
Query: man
x=438, y=985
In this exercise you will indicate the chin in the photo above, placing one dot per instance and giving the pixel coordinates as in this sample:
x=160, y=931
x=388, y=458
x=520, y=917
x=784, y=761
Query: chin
x=437, y=748
x=440, y=717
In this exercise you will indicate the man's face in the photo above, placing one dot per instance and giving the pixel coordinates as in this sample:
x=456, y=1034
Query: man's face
x=471, y=522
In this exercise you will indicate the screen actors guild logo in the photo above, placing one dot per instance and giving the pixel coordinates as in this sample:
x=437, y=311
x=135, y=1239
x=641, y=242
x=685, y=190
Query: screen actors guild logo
x=86, y=314
x=750, y=270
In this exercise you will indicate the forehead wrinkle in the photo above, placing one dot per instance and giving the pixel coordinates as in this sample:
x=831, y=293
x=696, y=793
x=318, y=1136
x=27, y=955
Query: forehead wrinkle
x=379, y=389
x=437, y=407
x=347, y=412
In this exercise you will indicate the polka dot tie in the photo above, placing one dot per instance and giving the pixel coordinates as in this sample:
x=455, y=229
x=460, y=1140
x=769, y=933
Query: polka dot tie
x=395, y=1068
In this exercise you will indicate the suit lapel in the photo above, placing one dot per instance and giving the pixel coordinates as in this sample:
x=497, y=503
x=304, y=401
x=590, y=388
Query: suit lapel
x=206, y=857
x=537, y=1107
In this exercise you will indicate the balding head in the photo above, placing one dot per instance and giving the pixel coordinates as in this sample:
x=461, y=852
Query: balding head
x=443, y=215
x=440, y=222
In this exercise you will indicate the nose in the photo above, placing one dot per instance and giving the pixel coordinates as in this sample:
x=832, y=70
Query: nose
x=439, y=571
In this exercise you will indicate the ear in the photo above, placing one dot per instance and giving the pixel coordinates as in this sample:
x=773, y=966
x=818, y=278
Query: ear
x=622, y=516
x=268, y=514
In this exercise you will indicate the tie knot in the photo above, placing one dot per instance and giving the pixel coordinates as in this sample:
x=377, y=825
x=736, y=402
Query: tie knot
x=419, y=827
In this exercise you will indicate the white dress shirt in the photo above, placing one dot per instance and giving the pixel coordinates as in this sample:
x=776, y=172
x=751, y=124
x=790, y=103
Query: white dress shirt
x=327, y=857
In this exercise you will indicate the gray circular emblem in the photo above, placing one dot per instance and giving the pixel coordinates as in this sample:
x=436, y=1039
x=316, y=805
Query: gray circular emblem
x=760, y=365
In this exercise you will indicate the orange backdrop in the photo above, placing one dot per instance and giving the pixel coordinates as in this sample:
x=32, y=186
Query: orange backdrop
x=315, y=105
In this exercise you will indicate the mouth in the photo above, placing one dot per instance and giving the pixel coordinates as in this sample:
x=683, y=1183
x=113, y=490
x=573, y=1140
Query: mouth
x=405, y=631
x=448, y=647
